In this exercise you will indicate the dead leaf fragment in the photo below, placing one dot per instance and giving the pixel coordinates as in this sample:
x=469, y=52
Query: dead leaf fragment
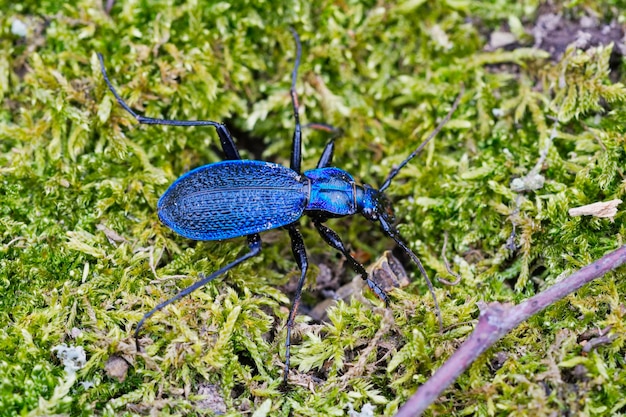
x=116, y=368
x=599, y=209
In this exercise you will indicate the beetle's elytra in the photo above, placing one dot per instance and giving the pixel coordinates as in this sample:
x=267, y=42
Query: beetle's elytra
x=236, y=198
x=233, y=198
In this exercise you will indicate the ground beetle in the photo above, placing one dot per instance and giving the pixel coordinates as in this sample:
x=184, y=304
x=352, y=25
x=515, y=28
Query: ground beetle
x=236, y=197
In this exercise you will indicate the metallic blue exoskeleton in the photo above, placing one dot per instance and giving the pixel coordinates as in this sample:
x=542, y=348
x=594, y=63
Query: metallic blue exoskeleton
x=233, y=198
x=238, y=197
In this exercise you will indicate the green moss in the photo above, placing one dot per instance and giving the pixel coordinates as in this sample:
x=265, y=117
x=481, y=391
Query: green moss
x=83, y=255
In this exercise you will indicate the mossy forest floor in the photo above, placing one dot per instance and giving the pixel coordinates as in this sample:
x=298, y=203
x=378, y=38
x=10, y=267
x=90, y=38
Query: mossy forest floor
x=83, y=255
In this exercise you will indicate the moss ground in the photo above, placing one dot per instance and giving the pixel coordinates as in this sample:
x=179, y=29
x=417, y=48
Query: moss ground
x=83, y=255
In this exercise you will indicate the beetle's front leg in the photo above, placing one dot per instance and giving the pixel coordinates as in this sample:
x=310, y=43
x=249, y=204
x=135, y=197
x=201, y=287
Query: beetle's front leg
x=333, y=239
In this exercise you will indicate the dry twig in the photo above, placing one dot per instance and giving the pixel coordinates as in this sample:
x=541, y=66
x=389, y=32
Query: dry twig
x=495, y=321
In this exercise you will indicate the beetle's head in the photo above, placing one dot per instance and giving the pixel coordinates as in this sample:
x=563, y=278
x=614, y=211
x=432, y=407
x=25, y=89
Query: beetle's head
x=376, y=206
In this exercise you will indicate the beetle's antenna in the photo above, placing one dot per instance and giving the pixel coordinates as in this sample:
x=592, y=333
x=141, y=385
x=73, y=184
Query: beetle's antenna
x=429, y=283
x=397, y=169
x=393, y=233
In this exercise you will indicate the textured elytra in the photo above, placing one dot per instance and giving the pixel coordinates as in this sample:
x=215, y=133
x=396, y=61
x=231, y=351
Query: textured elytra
x=233, y=198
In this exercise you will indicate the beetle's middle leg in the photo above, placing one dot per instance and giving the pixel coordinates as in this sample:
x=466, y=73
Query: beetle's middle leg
x=327, y=155
x=254, y=243
x=333, y=239
x=226, y=139
x=296, y=150
x=299, y=252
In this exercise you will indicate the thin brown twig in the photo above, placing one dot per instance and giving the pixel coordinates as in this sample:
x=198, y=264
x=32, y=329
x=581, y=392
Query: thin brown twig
x=595, y=342
x=495, y=321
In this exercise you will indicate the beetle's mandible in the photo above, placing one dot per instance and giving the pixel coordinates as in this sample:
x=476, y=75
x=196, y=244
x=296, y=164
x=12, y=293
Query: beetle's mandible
x=236, y=197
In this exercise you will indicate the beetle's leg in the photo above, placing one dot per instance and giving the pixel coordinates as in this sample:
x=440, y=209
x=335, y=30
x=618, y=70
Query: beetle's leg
x=299, y=252
x=254, y=243
x=327, y=156
x=296, y=150
x=333, y=239
x=227, y=142
x=226, y=139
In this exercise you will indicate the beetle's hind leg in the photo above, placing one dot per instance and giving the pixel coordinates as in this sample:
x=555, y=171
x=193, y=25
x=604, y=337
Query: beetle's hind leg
x=254, y=243
x=299, y=252
x=226, y=139
x=333, y=239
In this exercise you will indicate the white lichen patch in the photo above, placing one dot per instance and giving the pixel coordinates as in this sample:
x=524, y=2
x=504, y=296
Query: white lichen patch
x=366, y=411
x=73, y=358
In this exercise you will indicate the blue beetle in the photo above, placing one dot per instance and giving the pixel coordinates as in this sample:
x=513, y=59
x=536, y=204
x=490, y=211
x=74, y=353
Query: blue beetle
x=236, y=198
